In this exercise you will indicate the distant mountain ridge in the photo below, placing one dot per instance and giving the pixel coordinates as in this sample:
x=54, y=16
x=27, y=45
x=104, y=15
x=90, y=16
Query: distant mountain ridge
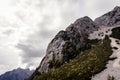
x=16, y=74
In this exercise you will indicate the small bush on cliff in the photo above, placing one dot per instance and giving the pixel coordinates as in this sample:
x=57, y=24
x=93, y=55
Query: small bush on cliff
x=111, y=77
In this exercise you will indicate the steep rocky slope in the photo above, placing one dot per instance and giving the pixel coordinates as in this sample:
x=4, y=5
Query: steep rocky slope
x=111, y=18
x=82, y=50
x=84, y=65
x=67, y=44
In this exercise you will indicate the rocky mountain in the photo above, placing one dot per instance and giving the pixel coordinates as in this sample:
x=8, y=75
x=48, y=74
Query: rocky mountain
x=66, y=45
x=109, y=19
x=17, y=74
x=85, y=50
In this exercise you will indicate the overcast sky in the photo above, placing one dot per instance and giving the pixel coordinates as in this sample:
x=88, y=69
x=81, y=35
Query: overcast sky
x=27, y=26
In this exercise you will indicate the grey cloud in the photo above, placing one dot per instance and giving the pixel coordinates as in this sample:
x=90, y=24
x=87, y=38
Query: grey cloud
x=100, y=7
x=34, y=47
x=8, y=32
x=44, y=31
x=29, y=51
x=105, y=4
x=46, y=34
x=5, y=62
x=32, y=64
x=47, y=20
x=71, y=10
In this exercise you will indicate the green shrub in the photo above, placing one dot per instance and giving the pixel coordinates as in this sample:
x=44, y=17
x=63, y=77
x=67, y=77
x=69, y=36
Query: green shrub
x=111, y=77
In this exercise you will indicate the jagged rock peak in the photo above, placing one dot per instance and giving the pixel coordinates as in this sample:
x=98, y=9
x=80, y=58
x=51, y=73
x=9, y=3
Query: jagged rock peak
x=83, y=24
x=117, y=8
x=67, y=44
x=86, y=18
x=111, y=18
x=82, y=20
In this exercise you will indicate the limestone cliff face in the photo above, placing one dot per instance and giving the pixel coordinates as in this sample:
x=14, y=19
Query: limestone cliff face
x=111, y=18
x=67, y=44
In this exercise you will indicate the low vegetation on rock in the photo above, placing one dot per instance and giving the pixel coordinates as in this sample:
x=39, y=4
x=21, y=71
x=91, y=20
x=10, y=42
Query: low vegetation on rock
x=111, y=77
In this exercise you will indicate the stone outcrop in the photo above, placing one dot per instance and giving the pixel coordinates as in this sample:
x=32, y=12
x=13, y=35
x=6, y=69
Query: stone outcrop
x=67, y=44
x=111, y=18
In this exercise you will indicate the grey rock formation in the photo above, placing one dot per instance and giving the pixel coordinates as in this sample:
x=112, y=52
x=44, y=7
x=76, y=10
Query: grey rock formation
x=67, y=44
x=111, y=18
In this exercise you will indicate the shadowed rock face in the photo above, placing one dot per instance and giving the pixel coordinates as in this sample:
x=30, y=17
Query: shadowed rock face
x=111, y=18
x=67, y=44
x=116, y=33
